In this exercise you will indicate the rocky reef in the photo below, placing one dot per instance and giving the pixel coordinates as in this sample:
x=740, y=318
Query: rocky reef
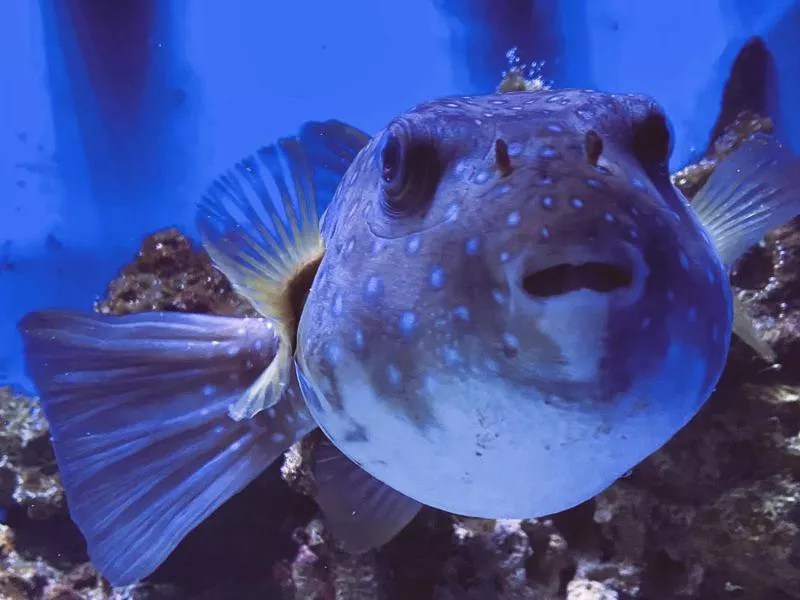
x=714, y=515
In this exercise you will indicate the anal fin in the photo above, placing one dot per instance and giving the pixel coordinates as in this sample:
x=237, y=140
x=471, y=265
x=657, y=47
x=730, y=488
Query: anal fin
x=360, y=511
x=744, y=328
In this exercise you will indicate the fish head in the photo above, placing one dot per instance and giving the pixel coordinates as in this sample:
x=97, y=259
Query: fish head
x=512, y=281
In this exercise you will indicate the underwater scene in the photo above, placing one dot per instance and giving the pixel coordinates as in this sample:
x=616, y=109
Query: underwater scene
x=441, y=299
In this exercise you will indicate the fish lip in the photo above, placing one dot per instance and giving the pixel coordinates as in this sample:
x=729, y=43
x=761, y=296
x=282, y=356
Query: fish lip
x=639, y=272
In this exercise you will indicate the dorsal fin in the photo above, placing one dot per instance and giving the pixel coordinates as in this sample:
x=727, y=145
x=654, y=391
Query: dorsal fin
x=259, y=223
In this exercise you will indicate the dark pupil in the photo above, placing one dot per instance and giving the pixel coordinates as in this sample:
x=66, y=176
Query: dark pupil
x=652, y=139
x=390, y=159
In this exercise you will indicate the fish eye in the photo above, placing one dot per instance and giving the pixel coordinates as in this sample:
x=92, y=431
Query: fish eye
x=653, y=138
x=410, y=169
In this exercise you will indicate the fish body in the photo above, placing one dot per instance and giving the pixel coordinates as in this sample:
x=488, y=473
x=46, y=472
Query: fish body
x=505, y=306
x=464, y=326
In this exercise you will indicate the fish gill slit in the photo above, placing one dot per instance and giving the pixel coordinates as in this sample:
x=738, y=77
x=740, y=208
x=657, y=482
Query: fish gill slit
x=296, y=294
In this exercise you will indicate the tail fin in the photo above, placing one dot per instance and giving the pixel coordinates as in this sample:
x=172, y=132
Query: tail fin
x=137, y=407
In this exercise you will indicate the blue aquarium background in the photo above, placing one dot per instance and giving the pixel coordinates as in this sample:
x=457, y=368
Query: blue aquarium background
x=115, y=115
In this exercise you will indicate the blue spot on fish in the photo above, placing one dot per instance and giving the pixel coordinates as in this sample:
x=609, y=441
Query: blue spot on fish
x=510, y=345
x=684, y=260
x=393, y=374
x=577, y=202
x=545, y=233
x=499, y=296
x=471, y=246
x=333, y=353
x=408, y=321
x=450, y=356
x=513, y=219
x=547, y=202
x=594, y=183
x=461, y=312
x=338, y=305
x=373, y=287
x=492, y=365
x=515, y=149
x=482, y=177
x=413, y=244
x=548, y=152
x=358, y=338
x=436, y=277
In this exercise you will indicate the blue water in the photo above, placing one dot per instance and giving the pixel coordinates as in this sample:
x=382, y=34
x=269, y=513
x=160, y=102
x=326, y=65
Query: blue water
x=113, y=121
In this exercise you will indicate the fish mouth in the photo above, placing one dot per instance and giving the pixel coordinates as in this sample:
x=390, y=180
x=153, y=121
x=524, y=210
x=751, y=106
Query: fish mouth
x=561, y=279
x=608, y=271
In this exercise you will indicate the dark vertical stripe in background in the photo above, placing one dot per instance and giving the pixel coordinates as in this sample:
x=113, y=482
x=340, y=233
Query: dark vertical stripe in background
x=115, y=71
x=114, y=39
x=482, y=31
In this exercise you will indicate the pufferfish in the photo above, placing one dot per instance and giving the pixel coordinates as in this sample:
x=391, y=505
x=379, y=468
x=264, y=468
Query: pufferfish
x=504, y=306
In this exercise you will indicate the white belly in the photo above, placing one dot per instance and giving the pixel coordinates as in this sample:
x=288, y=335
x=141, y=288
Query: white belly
x=498, y=454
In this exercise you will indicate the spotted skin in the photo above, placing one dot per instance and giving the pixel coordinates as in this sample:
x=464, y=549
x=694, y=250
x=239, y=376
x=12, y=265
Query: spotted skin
x=468, y=393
